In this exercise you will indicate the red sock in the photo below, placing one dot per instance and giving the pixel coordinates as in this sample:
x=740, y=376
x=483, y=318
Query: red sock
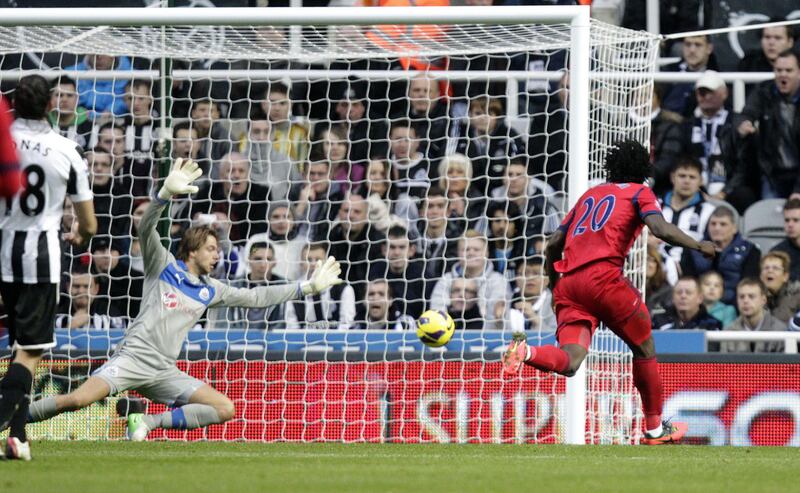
x=548, y=358
x=648, y=382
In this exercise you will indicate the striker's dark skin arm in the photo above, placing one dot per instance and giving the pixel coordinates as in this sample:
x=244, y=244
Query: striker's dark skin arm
x=660, y=228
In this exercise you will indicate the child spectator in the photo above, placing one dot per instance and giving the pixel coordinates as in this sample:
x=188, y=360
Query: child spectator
x=711, y=285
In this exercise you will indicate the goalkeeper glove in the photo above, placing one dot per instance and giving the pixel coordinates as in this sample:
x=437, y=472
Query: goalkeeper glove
x=325, y=275
x=182, y=174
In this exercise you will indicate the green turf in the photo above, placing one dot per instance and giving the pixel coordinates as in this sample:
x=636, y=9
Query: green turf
x=116, y=467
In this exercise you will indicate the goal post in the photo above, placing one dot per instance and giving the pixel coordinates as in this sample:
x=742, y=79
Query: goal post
x=529, y=50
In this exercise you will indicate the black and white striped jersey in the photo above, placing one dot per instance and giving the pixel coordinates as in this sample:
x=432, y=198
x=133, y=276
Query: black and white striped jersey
x=30, y=222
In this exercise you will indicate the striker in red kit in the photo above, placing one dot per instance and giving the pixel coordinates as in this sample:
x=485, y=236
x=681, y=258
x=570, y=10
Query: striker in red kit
x=585, y=257
x=10, y=175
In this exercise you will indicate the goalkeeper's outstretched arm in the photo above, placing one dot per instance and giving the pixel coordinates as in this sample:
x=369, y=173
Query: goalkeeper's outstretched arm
x=154, y=256
x=325, y=275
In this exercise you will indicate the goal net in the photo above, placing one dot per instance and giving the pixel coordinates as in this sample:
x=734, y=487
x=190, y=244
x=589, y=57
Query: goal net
x=432, y=160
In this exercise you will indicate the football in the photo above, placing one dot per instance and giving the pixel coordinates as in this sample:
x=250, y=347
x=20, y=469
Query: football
x=435, y=328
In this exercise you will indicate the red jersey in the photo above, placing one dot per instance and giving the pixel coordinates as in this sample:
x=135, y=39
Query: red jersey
x=10, y=176
x=604, y=223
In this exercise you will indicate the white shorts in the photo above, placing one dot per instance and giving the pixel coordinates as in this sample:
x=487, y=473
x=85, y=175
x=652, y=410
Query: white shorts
x=171, y=386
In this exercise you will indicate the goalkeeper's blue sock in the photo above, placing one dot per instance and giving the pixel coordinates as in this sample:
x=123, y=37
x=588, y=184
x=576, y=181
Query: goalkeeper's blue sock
x=14, y=389
x=186, y=417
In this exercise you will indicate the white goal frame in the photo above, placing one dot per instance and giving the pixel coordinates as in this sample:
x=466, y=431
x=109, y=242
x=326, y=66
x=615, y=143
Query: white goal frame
x=578, y=18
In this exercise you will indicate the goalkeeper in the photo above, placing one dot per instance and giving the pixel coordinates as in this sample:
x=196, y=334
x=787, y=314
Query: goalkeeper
x=177, y=290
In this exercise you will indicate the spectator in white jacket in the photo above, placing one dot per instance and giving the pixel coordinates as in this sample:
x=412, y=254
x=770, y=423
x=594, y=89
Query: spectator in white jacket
x=284, y=240
x=493, y=290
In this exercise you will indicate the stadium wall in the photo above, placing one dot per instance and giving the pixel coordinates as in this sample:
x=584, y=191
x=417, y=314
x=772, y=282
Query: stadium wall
x=726, y=403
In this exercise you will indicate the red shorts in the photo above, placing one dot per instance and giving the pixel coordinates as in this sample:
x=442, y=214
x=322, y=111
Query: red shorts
x=599, y=292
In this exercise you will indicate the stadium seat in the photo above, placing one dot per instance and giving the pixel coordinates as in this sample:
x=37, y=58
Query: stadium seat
x=763, y=223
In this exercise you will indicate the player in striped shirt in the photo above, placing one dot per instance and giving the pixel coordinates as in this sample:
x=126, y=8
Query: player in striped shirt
x=30, y=252
x=177, y=291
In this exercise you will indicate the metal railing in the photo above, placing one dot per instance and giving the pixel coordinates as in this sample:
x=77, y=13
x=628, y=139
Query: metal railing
x=788, y=338
x=736, y=80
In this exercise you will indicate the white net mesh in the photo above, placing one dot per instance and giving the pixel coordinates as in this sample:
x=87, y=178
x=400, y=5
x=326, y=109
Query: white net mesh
x=397, y=149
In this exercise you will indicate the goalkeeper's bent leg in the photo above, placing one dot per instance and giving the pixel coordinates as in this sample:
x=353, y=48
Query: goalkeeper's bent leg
x=187, y=417
x=91, y=391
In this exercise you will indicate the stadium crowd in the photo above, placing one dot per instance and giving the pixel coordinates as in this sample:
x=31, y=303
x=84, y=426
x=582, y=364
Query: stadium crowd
x=430, y=198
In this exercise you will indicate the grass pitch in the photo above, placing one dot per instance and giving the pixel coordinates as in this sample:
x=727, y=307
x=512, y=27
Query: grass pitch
x=117, y=467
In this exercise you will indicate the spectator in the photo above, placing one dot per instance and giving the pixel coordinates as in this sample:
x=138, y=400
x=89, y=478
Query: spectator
x=507, y=247
x=549, y=132
x=489, y=143
x=102, y=95
x=260, y=272
x=411, y=171
x=402, y=270
x=697, y=52
x=214, y=137
x=67, y=117
x=465, y=204
x=772, y=120
x=737, y=257
x=711, y=285
x=437, y=248
x=398, y=207
x=463, y=305
x=685, y=205
x=316, y=202
x=532, y=299
x=331, y=309
x=331, y=144
x=271, y=168
x=381, y=310
x=531, y=197
x=774, y=41
x=289, y=138
x=234, y=195
x=367, y=136
x=84, y=310
x=493, y=289
x=428, y=111
x=140, y=133
x=111, y=137
x=185, y=145
x=112, y=204
x=687, y=310
x=751, y=298
x=283, y=240
x=783, y=295
x=355, y=242
x=791, y=244
x=675, y=16
x=666, y=142
x=116, y=284
x=710, y=136
x=658, y=292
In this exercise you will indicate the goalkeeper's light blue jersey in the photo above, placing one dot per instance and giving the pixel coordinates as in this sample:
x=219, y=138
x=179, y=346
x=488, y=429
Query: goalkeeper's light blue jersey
x=174, y=300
